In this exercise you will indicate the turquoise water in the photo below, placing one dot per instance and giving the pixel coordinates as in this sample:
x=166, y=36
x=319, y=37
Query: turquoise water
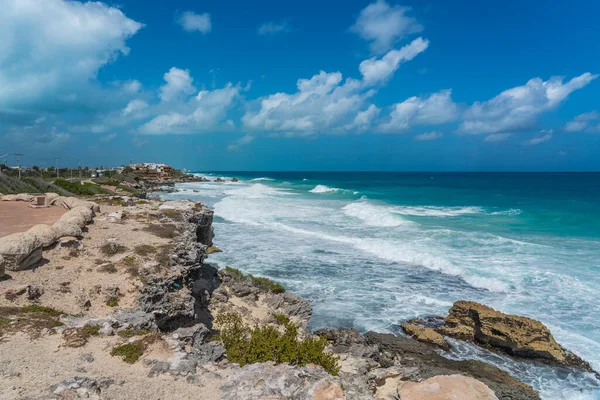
x=370, y=250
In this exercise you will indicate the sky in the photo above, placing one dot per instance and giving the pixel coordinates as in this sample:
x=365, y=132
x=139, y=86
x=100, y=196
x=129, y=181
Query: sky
x=302, y=85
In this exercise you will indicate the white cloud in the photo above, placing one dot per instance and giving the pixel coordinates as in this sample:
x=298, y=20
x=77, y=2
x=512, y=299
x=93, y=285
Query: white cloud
x=433, y=110
x=428, y=136
x=586, y=122
x=51, y=50
x=272, y=28
x=179, y=82
x=376, y=70
x=517, y=109
x=190, y=22
x=542, y=138
x=237, y=145
x=134, y=106
x=384, y=25
x=207, y=111
x=108, y=137
x=497, y=137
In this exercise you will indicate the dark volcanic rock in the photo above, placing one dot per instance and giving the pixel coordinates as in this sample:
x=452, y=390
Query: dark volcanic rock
x=430, y=363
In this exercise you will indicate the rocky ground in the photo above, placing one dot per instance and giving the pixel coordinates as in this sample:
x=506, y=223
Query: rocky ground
x=129, y=308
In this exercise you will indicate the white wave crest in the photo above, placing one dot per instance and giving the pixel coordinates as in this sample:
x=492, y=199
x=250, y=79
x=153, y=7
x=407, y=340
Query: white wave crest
x=261, y=179
x=324, y=189
x=373, y=215
x=430, y=211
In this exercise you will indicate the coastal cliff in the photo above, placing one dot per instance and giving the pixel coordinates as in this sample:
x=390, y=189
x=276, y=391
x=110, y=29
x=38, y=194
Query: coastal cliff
x=130, y=308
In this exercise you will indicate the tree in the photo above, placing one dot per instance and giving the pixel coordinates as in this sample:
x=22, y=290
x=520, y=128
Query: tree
x=127, y=170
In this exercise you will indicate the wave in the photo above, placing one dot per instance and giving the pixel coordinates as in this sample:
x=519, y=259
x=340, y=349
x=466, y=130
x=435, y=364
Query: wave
x=510, y=212
x=373, y=215
x=432, y=211
x=261, y=179
x=324, y=189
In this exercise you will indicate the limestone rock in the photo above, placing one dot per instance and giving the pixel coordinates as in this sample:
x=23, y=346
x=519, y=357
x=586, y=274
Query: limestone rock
x=24, y=197
x=425, y=335
x=77, y=388
x=19, y=251
x=67, y=228
x=283, y=381
x=446, y=387
x=513, y=334
x=9, y=197
x=50, y=196
x=45, y=233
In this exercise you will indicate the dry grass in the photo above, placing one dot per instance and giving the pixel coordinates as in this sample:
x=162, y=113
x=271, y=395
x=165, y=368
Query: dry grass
x=112, y=248
x=144, y=250
x=165, y=231
x=31, y=319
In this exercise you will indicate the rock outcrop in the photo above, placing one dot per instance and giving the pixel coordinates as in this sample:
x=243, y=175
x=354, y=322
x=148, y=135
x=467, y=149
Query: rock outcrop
x=516, y=335
x=425, y=334
x=446, y=387
x=45, y=233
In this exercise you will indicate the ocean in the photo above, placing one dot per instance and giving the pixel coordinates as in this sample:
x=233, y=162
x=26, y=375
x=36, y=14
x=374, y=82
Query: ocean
x=370, y=250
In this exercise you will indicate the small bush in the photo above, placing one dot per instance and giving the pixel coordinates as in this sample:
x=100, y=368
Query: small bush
x=235, y=273
x=108, y=268
x=175, y=215
x=129, y=261
x=281, y=319
x=113, y=302
x=276, y=288
x=144, y=250
x=85, y=189
x=129, y=333
x=245, y=345
x=266, y=284
x=131, y=352
x=41, y=309
x=91, y=330
x=165, y=231
x=112, y=248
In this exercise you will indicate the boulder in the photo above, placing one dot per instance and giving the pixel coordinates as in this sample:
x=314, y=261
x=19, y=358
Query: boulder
x=51, y=196
x=24, y=197
x=516, y=335
x=45, y=233
x=235, y=180
x=19, y=251
x=9, y=197
x=446, y=387
x=72, y=202
x=67, y=228
x=425, y=335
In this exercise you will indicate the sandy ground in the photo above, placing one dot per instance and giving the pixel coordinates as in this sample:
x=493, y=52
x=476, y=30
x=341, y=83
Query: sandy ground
x=70, y=278
x=17, y=216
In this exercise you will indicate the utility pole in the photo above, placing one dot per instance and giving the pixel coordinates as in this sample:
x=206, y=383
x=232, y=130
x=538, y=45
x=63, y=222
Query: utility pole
x=57, y=158
x=19, y=162
x=79, y=166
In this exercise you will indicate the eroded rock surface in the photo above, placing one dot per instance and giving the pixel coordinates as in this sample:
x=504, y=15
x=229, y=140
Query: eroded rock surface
x=446, y=387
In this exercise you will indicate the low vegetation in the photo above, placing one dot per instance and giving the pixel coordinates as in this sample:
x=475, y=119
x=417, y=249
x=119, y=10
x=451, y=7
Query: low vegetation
x=32, y=319
x=78, y=337
x=129, y=333
x=108, y=268
x=144, y=250
x=131, y=352
x=12, y=185
x=248, y=345
x=165, y=231
x=113, y=302
x=257, y=281
x=111, y=248
x=82, y=189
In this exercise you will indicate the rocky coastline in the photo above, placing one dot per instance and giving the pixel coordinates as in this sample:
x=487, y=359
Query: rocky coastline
x=129, y=307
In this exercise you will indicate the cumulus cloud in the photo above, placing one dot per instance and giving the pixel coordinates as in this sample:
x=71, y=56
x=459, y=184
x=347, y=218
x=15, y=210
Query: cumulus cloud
x=192, y=22
x=272, y=28
x=207, y=111
x=497, y=137
x=237, y=145
x=587, y=122
x=108, y=137
x=179, y=82
x=50, y=51
x=433, y=110
x=380, y=69
x=134, y=106
x=517, y=109
x=428, y=136
x=543, y=137
x=384, y=26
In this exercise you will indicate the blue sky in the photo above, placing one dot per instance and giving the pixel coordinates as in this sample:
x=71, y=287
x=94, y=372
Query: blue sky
x=302, y=85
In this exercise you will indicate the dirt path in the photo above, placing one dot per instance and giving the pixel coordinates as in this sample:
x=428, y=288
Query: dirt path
x=17, y=216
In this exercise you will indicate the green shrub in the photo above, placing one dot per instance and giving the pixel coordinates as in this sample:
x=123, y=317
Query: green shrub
x=85, y=189
x=235, y=273
x=42, y=309
x=91, y=330
x=131, y=352
x=281, y=319
x=266, y=284
x=245, y=345
x=129, y=333
x=276, y=288
x=113, y=302
x=144, y=250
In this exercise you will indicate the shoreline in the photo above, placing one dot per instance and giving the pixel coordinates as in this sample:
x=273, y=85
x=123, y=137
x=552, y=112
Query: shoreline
x=179, y=301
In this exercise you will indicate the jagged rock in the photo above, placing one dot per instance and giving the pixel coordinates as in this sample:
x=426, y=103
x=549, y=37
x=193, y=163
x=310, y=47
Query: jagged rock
x=429, y=363
x=207, y=352
x=283, y=381
x=219, y=180
x=87, y=357
x=19, y=251
x=342, y=336
x=67, y=228
x=213, y=249
x=296, y=306
x=515, y=335
x=77, y=388
x=446, y=387
x=9, y=197
x=425, y=335
x=45, y=233
x=192, y=337
x=79, y=215
x=134, y=319
x=202, y=218
x=69, y=243
x=115, y=217
x=243, y=289
x=160, y=367
x=72, y=202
